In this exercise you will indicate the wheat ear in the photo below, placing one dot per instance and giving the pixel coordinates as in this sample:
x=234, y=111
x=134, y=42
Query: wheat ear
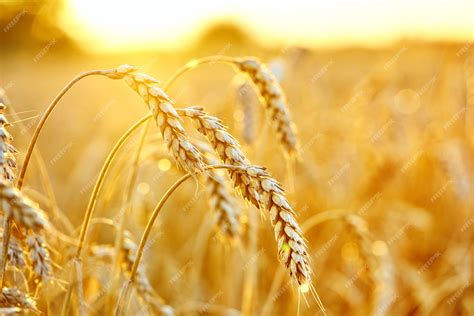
x=257, y=186
x=270, y=91
x=16, y=298
x=23, y=211
x=222, y=205
x=16, y=256
x=7, y=174
x=274, y=101
x=185, y=153
x=39, y=256
x=7, y=151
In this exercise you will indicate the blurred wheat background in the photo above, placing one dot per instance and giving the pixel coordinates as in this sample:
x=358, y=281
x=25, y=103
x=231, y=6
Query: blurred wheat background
x=383, y=186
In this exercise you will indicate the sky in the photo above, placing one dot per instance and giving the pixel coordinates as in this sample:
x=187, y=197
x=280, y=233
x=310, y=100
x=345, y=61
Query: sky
x=138, y=24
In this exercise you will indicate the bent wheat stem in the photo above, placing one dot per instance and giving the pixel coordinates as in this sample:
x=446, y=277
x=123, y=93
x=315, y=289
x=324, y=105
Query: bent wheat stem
x=113, y=73
x=43, y=119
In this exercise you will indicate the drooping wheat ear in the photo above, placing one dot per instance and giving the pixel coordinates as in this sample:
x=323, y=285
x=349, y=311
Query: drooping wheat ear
x=377, y=273
x=16, y=256
x=221, y=202
x=24, y=212
x=15, y=298
x=274, y=101
x=257, y=186
x=39, y=256
x=7, y=151
x=169, y=122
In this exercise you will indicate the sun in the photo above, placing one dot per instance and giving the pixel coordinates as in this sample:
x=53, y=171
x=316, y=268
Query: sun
x=137, y=24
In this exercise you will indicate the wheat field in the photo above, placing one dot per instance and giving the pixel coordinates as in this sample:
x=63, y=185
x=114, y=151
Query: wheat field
x=236, y=179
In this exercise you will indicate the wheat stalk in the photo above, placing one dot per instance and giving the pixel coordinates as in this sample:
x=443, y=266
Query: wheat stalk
x=15, y=298
x=257, y=186
x=39, y=256
x=185, y=153
x=274, y=101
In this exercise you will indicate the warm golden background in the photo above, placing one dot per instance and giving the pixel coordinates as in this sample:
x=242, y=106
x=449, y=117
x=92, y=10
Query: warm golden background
x=382, y=94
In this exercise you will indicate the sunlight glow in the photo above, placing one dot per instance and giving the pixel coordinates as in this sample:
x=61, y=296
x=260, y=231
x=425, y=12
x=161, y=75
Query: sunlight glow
x=146, y=24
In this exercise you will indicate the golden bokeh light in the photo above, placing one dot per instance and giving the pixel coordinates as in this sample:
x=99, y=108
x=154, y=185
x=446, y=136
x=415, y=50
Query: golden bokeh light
x=164, y=164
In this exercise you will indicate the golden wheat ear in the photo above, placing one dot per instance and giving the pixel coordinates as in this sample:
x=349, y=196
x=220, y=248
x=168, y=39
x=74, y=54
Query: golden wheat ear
x=25, y=213
x=39, y=256
x=274, y=101
x=257, y=186
x=13, y=297
x=167, y=119
x=270, y=91
x=221, y=201
x=16, y=255
x=7, y=150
